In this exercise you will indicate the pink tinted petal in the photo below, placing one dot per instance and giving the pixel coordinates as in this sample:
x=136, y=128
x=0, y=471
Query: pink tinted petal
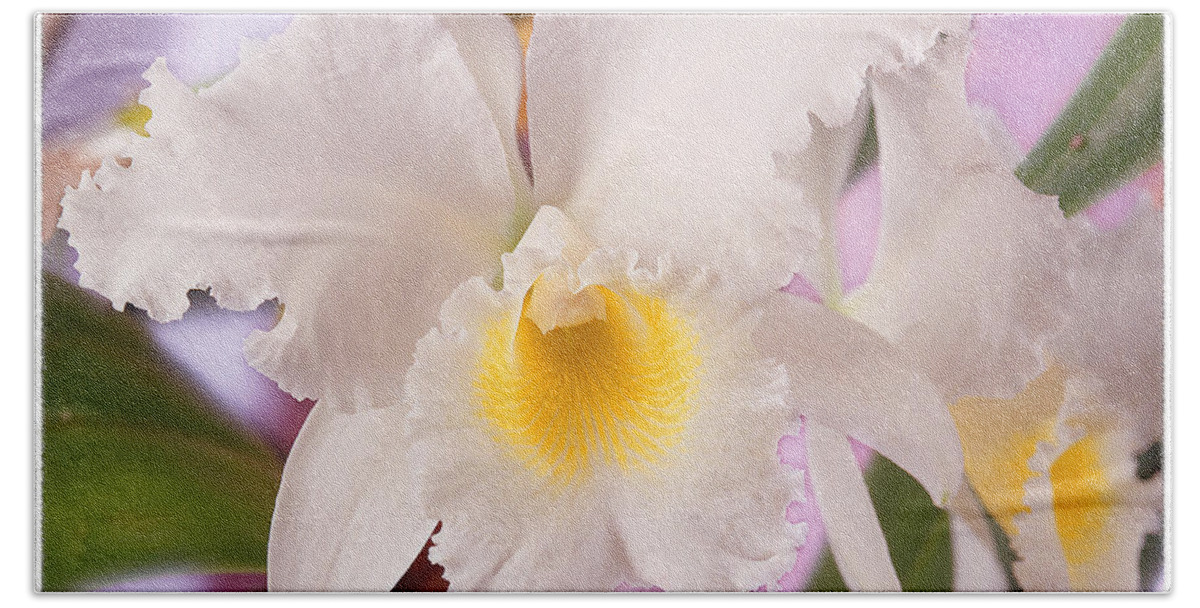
x=207, y=343
x=1026, y=67
x=857, y=235
x=863, y=454
x=793, y=453
x=801, y=287
x=224, y=581
x=1111, y=211
x=858, y=228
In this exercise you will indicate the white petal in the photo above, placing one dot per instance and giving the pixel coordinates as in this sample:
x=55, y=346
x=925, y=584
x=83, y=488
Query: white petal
x=1056, y=469
x=1114, y=327
x=855, y=536
x=844, y=376
x=496, y=521
x=357, y=187
x=1040, y=565
x=659, y=132
x=969, y=260
x=823, y=168
x=347, y=516
x=975, y=565
x=551, y=239
x=491, y=51
x=718, y=523
x=710, y=516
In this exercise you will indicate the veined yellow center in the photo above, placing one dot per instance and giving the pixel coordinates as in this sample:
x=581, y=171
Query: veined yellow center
x=614, y=390
x=1083, y=505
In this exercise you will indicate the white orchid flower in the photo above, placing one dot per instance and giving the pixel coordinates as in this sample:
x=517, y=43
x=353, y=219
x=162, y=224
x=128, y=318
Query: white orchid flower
x=985, y=287
x=609, y=411
x=1057, y=472
x=1057, y=469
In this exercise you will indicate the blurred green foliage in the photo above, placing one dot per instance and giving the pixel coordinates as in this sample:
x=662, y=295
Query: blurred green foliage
x=138, y=473
x=1112, y=129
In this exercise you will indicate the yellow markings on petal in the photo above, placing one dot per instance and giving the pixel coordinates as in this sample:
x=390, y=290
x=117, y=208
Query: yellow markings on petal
x=1083, y=506
x=134, y=118
x=614, y=391
x=1000, y=435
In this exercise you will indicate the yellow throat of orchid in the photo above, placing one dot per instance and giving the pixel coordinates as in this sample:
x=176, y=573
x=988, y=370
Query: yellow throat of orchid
x=612, y=386
x=999, y=437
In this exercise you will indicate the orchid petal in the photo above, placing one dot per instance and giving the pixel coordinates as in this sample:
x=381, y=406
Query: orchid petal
x=855, y=536
x=1055, y=468
x=845, y=377
x=492, y=52
x=966, y=253
x=677, y=120
x=316, y=174
x=347, y=517
x=1114, y=326
x=975, y=564
x=824, y=166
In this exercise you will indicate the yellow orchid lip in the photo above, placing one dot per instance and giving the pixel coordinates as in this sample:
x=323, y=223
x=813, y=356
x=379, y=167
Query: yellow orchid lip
x=614, y=389
x=1079, y=494
x=1083, y=504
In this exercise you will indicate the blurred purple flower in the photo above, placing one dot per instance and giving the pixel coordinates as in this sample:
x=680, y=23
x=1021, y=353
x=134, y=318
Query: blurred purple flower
x=93, y=69
x=1026, y=67
x=858, y=227
x=94, y=66
x=191, y=582
x=207, y=342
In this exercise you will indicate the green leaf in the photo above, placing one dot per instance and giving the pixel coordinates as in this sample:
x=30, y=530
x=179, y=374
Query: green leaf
x=868, y=149
x=138, y=474
x=916, y=531
x=826, y=576
x=1112, y=129
x=1150, y=561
